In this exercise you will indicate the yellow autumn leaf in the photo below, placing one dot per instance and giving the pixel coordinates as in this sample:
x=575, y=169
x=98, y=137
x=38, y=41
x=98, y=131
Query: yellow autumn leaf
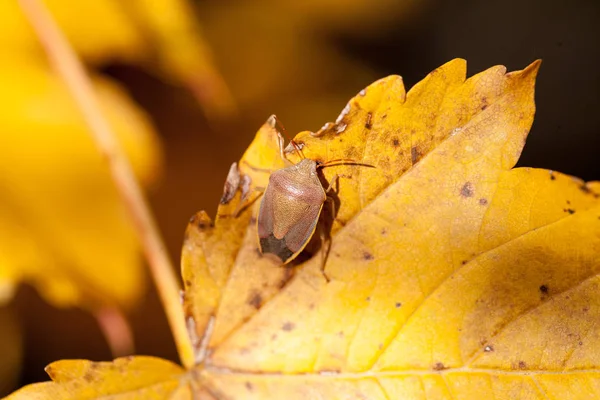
x=161, y=34
x=62, y=225
x=452, y=274
x=129, y=377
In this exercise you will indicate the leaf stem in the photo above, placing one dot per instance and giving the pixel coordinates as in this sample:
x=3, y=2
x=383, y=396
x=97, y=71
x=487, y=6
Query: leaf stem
x=72, y=72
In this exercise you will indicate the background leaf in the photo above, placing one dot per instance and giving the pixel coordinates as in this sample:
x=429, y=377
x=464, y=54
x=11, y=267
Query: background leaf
x=57, y=200
x=162, y=35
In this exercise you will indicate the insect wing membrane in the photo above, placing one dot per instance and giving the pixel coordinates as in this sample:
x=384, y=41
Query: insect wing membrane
x=300, y=233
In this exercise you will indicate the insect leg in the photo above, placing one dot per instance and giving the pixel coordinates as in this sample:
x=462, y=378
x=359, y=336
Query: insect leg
x=281, y=144
x=335, y=181
x=324, y=252
x=326, y=239
x=281, y=141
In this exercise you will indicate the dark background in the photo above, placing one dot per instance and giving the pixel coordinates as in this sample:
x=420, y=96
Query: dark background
x=305, y=76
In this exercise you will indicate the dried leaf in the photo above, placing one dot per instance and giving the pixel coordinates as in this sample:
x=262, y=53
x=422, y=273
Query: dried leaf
x=453, y=275
x=62, y=225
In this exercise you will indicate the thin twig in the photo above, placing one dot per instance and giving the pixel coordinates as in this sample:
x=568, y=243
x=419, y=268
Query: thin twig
x=71, y=70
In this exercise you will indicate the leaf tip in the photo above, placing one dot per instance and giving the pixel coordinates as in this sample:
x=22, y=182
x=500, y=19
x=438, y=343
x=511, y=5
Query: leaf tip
x=457, y=65
x=200, y=220
x=272, y=121
x=50, y=369
x=530, y=72
x=534, y=67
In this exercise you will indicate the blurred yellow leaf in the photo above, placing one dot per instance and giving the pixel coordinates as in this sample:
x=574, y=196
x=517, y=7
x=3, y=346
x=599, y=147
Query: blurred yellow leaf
x=162, y=34
x=62, y=225
x=276, y=60
x=453, y=275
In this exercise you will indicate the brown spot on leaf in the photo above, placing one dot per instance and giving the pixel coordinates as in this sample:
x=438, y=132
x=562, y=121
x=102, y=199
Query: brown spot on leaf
x=367, y=256
x=200, y=222
x=288, y=326
x=368, y=124
x=414, y=154
x=544, y=289
x=384, y=231
x=249, y=386
x=395, y=142
x=438, y=366
x=255, y=300
x=398, y=305
x=552, y=176
x=467, y=190
x=585, y=189
x=522, y=365
x=90, y=374
x=483, y=201
x=569, y=210
x=484, y=102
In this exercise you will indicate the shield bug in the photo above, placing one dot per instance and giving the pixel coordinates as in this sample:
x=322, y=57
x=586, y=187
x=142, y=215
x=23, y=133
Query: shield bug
x=291, y=205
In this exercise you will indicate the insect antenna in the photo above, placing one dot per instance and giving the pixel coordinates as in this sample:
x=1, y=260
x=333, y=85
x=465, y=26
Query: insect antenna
x=287, y=136
x=343, y=161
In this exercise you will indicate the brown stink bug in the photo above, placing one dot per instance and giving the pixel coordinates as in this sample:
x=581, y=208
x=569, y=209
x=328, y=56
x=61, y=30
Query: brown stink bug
x=291, y=205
